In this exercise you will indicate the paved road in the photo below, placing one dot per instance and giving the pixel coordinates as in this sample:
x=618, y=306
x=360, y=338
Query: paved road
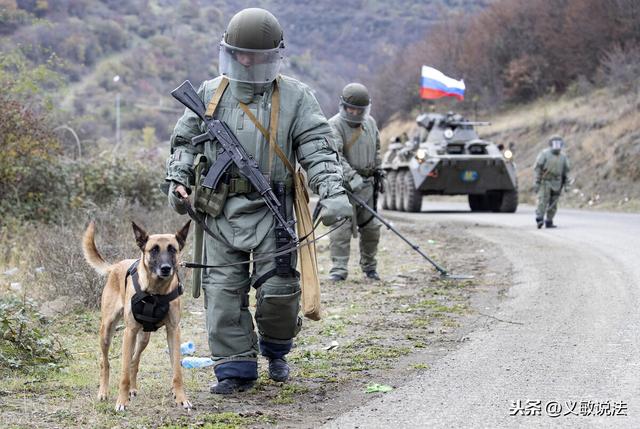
x=576, y=302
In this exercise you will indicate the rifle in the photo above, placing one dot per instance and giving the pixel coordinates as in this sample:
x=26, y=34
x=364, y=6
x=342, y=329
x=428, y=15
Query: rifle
x=443, y=273
x=231, y=151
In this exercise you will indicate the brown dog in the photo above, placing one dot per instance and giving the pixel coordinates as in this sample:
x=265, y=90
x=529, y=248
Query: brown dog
x=157, y=274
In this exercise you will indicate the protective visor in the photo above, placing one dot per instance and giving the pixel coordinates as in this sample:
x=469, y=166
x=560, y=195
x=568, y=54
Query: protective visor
x=353, y=113
x=557, y=144
x=250, y=65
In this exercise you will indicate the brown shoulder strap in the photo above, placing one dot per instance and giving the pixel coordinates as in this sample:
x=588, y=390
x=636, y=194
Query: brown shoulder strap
x=213, y=104
x=354, y=138
x=271, y=135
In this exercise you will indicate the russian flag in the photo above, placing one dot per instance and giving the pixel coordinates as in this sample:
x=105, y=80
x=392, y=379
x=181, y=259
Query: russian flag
x=434, y=84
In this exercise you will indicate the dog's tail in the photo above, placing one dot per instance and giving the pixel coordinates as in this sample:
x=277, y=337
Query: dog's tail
x=91, y=253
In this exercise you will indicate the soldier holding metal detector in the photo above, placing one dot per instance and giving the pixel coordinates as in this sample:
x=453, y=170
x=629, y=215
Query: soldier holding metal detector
x=358, y=142
x=551, y=175
x=235, y=149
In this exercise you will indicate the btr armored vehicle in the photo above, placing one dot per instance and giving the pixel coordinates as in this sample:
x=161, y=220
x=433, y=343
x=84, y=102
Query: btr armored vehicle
x=448, y=158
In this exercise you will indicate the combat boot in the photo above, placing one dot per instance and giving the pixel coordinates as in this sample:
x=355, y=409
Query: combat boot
x=278, y=369
x=372, y=275
x=549, y=224
x=337, y=278
x=231, y=385
x=539, y=222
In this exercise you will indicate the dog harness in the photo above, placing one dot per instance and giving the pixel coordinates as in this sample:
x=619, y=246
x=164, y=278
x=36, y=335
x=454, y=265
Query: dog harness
x=149, y=309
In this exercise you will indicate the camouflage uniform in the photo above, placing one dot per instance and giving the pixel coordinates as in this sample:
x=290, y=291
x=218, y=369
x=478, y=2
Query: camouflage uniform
x=245, y=226
x=551, y=170
x=359, y=162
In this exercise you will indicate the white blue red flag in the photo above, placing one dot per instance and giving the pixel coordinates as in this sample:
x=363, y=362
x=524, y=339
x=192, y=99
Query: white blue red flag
x=434, y=84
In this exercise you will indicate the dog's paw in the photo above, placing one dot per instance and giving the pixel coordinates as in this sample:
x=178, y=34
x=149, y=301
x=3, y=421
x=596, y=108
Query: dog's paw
x=102, y=395
x=121, y=406
x=133, y=393
x=184, y=404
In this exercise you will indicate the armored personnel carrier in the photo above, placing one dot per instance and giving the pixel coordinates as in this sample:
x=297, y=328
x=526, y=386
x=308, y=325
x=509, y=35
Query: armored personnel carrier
x=448, y=158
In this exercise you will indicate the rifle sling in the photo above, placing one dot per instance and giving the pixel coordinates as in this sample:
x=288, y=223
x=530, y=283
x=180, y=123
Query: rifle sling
x=354, y=138
x=213, y=104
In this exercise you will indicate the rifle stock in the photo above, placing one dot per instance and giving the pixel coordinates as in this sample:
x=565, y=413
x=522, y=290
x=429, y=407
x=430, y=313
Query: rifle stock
x=188, y=96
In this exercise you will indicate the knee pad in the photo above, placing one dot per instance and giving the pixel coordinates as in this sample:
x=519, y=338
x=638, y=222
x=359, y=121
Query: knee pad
x=277, y=311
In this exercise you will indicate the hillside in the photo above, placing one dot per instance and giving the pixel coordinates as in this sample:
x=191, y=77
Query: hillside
x=602, y=132
x=153, y=45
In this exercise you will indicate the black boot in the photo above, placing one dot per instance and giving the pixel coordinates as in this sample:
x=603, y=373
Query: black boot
x=337, y=278
x=539, y=222
x=278, y=370
x=231, y=385
x=549, y=224
x=372, y=275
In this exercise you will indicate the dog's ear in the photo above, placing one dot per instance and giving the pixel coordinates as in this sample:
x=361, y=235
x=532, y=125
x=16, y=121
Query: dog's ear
x=141, y=235
x=181, y=235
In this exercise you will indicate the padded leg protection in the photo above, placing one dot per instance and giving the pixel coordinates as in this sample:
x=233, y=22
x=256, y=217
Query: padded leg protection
x=277, y=310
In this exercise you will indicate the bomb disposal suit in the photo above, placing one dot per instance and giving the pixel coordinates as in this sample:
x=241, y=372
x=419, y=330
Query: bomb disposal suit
x=551, y=172
x=258, y=105
x=358, y=141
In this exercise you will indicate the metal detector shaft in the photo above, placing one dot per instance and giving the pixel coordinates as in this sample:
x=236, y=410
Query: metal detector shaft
x=389, y=226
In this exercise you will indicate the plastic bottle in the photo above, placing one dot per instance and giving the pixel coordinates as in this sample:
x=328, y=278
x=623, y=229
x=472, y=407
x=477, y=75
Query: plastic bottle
x=187, y=348
x=196, y=362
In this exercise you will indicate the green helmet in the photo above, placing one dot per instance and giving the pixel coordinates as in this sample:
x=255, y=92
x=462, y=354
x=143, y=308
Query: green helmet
x=354, y=103
x=251, y=48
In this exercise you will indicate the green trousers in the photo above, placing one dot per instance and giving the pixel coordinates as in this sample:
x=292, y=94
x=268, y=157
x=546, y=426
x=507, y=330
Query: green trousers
x=232, y=338
x=547, y=201
x=369, y=235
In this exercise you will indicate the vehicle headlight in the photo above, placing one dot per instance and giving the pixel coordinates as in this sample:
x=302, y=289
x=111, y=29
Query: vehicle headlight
x=421, y=154
x=508, y=154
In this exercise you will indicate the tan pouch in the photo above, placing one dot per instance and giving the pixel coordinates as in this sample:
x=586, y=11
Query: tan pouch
x=307, y=259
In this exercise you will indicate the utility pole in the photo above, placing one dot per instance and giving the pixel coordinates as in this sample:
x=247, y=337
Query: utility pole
x=116, y=79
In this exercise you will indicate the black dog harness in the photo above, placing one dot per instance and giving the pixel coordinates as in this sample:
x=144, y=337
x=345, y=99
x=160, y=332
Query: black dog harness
x=149, y=309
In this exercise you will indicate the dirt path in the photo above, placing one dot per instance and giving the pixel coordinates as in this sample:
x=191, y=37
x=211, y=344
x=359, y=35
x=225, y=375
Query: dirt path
x=385, y=333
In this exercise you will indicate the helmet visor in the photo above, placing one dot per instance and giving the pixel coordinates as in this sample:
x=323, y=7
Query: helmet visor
x=250, y=65
x=557, y=144
x=353, y=113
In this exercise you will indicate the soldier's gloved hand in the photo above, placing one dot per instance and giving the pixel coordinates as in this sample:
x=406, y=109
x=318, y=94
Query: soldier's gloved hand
x=356, y=183
x=177, y=194
x=335, y=208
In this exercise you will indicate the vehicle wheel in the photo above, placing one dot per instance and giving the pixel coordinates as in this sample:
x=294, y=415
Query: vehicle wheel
x=509, y=201
x=494, y=200
x=412, y=197
x=389, y=202
x=478, y=202
x=399, y=190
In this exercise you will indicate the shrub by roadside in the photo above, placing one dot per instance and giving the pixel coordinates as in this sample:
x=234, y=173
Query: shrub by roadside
x=26, y=344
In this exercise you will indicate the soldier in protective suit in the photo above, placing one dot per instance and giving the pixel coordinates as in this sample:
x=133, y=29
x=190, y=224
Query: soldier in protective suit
x=551, y=174
x=358, y=141
x=279, y=122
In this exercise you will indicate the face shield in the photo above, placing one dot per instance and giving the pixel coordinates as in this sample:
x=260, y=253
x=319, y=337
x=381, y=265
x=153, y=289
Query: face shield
x=250, y=65
x=352, y=113
x=557, y=145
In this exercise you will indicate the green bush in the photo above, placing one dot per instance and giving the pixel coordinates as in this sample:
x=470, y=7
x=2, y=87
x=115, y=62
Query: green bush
x=25, y=341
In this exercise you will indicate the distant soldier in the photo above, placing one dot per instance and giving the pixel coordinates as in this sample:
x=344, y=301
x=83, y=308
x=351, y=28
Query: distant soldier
x=358, y=143
x=551, y=174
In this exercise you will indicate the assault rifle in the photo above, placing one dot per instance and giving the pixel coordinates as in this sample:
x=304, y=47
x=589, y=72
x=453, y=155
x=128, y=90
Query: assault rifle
x=231, y=151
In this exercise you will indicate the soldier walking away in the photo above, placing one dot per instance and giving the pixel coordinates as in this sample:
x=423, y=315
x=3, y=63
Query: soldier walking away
x=358, y=141
x=551, y=175
x=277, y=121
